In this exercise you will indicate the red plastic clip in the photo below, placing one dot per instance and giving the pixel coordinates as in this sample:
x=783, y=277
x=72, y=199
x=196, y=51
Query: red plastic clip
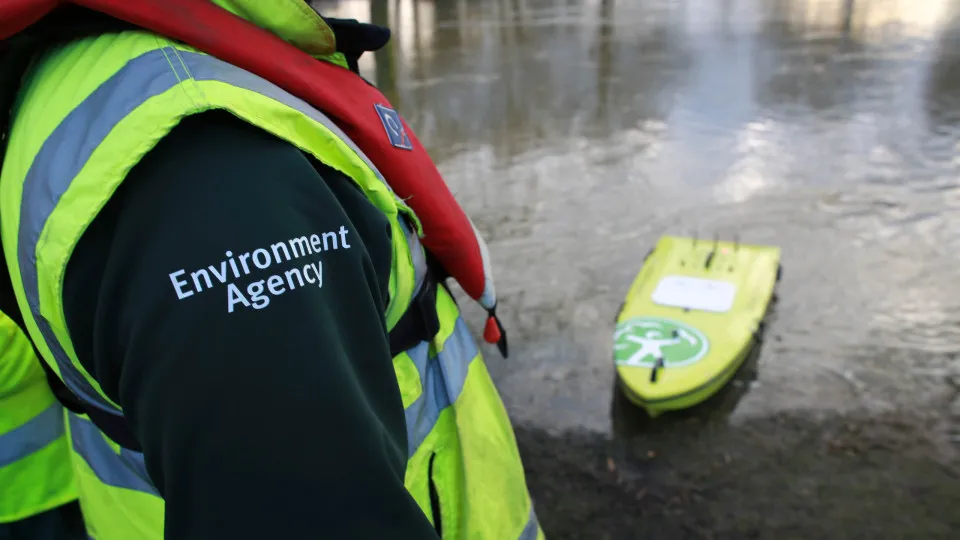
x=493, y=332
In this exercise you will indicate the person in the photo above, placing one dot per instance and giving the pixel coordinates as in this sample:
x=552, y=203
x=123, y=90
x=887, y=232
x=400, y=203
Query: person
x=251, y=318
x=38, y=496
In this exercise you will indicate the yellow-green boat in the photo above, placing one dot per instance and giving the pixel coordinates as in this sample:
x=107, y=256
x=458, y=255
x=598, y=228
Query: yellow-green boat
x=690, y=319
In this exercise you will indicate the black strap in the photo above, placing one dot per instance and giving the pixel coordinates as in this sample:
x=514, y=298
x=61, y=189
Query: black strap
x=420, y=322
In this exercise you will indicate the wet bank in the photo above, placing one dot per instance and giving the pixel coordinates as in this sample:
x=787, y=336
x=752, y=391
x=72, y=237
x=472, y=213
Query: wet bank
x=784, y=476
x=575, y=132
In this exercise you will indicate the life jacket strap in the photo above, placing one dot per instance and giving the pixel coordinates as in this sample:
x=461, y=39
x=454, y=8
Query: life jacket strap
x=420, y=321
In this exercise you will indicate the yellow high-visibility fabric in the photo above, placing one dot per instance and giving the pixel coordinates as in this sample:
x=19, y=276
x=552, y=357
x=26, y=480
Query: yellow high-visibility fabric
x=35, y=470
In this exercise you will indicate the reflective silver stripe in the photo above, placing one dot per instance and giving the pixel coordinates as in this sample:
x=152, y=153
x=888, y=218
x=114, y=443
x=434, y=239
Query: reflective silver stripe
x=39, y=432
x=70, y=145
x=59, y=160
x=532, y=528
x=124, y=470
x=417, y=254
x=442, y=378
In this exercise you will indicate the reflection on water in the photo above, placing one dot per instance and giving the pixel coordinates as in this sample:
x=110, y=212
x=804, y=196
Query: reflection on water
x=575, y=132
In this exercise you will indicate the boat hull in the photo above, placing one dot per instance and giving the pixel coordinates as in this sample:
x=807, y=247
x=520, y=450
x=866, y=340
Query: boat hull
x=691, y=318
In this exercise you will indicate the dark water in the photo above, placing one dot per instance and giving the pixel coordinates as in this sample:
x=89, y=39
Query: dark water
x=575, y=132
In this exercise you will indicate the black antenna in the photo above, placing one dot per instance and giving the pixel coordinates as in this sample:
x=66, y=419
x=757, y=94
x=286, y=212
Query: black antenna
x=716, y=240
x=653, y=373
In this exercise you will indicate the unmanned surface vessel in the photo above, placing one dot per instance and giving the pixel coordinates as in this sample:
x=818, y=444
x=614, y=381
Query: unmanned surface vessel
x=690, y=319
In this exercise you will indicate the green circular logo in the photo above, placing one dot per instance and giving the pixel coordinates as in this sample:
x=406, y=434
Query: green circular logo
x=642, y=341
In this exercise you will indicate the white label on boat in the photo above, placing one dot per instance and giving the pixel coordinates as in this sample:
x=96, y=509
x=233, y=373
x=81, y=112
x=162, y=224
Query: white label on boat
x=695, y=293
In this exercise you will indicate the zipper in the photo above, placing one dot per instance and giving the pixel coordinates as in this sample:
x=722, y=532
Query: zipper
x=434, y=498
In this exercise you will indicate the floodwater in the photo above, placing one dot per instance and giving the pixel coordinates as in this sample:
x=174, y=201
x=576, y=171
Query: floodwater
x=575, y=132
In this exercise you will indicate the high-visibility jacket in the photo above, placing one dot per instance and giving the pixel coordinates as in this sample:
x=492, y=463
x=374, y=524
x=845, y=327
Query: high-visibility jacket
x=89, y=111
x=35, y=470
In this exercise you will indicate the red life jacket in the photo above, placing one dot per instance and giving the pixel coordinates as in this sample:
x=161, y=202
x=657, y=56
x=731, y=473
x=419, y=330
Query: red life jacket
x=359, y=109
